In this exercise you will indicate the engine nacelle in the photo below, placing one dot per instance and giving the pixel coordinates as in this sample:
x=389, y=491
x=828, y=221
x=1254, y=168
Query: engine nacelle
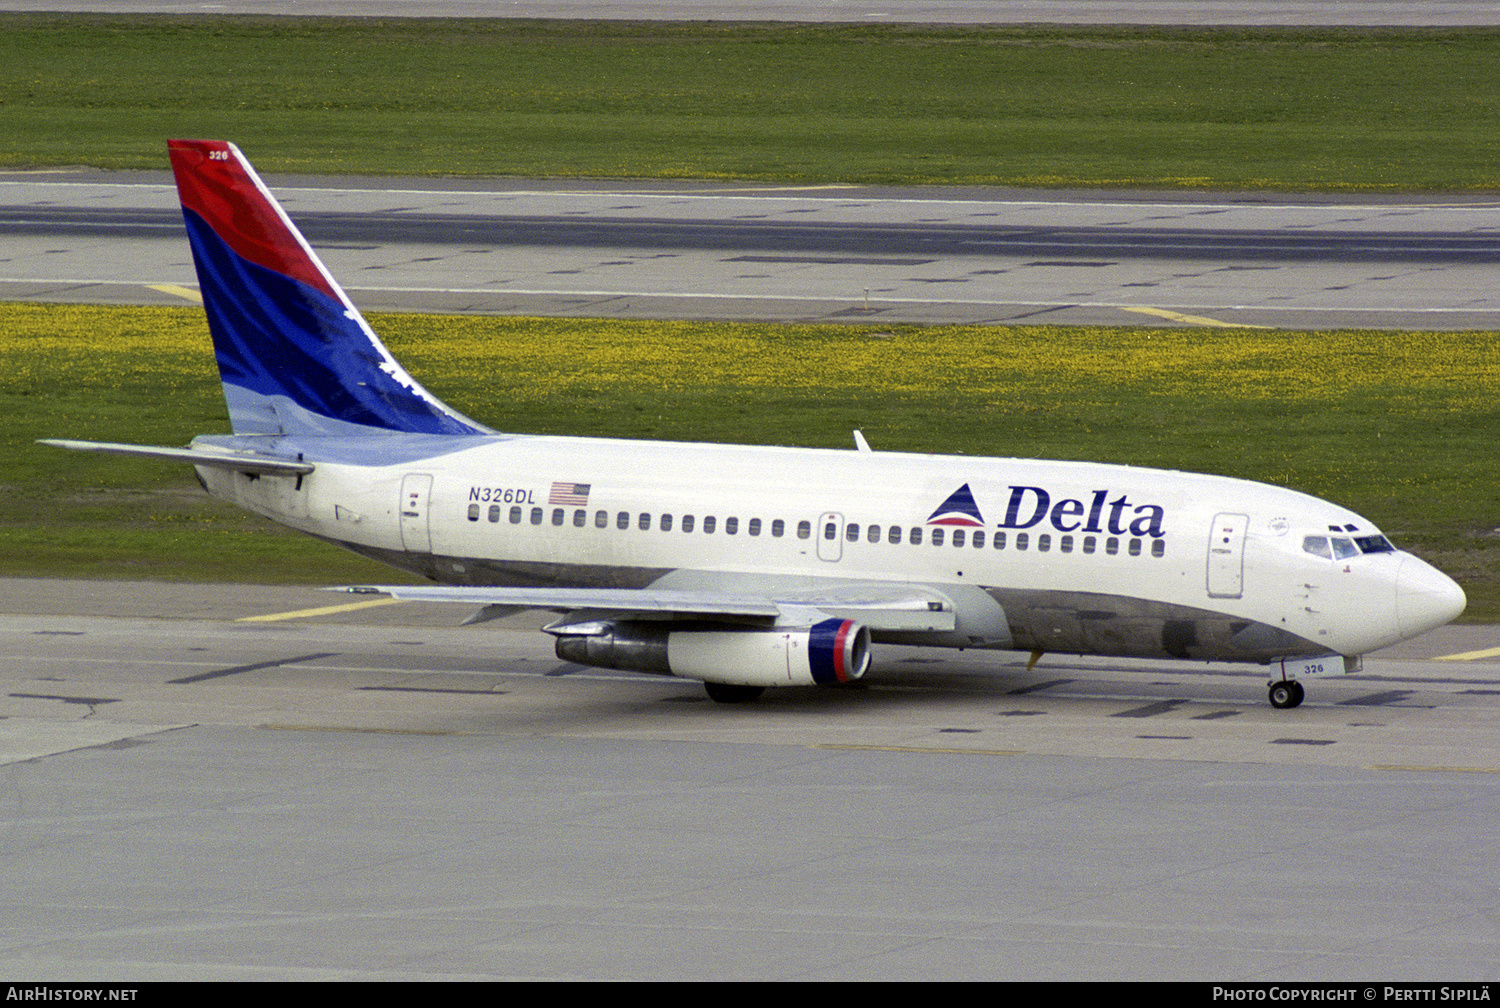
x=832, y=651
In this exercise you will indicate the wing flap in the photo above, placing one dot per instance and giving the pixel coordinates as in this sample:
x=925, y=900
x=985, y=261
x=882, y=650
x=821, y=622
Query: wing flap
x=911, y=608
x=626, y=600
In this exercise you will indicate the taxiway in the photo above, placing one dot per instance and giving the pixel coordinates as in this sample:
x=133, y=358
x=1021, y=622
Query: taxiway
x=212, y=782
x=699, y=251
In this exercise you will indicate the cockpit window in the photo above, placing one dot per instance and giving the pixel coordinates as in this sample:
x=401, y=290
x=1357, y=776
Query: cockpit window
x=1341, y=548
x=1375, y=544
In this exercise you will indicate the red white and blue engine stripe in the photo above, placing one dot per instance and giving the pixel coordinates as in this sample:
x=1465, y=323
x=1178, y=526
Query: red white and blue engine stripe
x=838, y=651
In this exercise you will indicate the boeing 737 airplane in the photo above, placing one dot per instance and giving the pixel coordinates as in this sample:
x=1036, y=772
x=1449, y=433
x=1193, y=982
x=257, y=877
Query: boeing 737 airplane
x=747, y=567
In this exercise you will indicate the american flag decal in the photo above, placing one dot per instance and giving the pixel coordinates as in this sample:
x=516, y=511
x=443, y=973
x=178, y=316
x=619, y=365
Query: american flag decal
x=575, y=494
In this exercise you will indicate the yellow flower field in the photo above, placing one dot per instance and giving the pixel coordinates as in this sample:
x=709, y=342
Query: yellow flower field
x=543, y=359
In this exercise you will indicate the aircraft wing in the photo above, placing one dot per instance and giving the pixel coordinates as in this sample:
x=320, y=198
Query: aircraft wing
x=879, y=607
x=264, y=464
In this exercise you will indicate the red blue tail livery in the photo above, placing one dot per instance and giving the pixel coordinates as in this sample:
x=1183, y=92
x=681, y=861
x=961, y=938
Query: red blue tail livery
x=295, y=355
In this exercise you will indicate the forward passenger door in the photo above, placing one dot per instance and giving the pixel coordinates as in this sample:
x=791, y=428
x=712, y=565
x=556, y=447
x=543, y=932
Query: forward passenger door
x=1226, y=556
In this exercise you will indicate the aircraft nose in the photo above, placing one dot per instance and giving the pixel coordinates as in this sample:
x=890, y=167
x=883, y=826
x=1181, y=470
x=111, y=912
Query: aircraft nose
x=1426, y=598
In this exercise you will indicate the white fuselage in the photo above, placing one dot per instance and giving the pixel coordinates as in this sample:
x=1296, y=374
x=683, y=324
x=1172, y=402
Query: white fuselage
x=1083, y=557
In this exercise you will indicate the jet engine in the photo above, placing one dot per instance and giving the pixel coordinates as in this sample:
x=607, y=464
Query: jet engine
x=832, y=651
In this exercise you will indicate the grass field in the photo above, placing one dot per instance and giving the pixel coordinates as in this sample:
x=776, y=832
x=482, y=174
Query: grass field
x=1330, y=109
x=1398, y=426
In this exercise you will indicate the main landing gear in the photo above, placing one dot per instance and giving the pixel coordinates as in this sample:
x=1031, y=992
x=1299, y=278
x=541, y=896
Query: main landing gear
x=1285, y=693
x=729, y=693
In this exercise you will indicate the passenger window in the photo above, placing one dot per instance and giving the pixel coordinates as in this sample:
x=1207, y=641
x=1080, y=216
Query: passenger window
x=1023, y=539
x=687, y=523
x=937, y=537
x=1158, y=547
x=580, y=518
x=601, y=519
x=1065, y=544
x=1317, y=546
x=873, y=534
x=804, y=529
x=643, y=522
x=515, y=516
x=622, y=520
x=710, y=523
x=1135, y=547
x=958, y=537
x=557, y=516
x=851, y=532
x=731, y=526
x=666, y=523
x=916, y=536
x=894, y=535
x=1043, y=542
x=494, y=512
x=978, y=540
x=753, y=527
x=473, y=512
x=778, y=528
x=1111, y=546
x=830, y=531
x=536, y=516
x=1088, y=544
x=999, y=540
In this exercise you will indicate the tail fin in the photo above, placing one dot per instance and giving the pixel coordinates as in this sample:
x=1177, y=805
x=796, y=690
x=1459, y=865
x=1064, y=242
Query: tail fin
x=294, y=353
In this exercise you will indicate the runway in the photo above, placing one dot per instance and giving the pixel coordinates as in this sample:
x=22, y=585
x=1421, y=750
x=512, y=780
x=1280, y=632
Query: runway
x=201, y=784
x=699, y=251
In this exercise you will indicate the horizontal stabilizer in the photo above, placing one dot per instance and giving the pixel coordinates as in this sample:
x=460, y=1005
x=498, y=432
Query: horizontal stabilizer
x=263, y=464
x=914, y=609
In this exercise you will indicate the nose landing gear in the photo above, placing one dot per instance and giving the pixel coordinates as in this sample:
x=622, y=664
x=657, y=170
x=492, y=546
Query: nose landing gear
x=1285, y=693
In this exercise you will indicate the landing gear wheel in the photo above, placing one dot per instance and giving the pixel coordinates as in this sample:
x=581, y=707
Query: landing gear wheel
x=727, y=693
x=1286, y=693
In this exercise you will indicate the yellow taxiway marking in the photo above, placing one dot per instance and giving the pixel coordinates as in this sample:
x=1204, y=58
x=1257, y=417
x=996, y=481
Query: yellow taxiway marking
x=754, y=189
x=931, y=749
x=187, y=293
x=320, y=611
x=1468, y=655
x=1192, y=319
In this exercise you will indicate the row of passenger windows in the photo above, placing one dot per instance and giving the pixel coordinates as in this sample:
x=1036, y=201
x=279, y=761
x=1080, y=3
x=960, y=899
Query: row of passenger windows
x=642, y=521
x=978, y=539
x=853, y=532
